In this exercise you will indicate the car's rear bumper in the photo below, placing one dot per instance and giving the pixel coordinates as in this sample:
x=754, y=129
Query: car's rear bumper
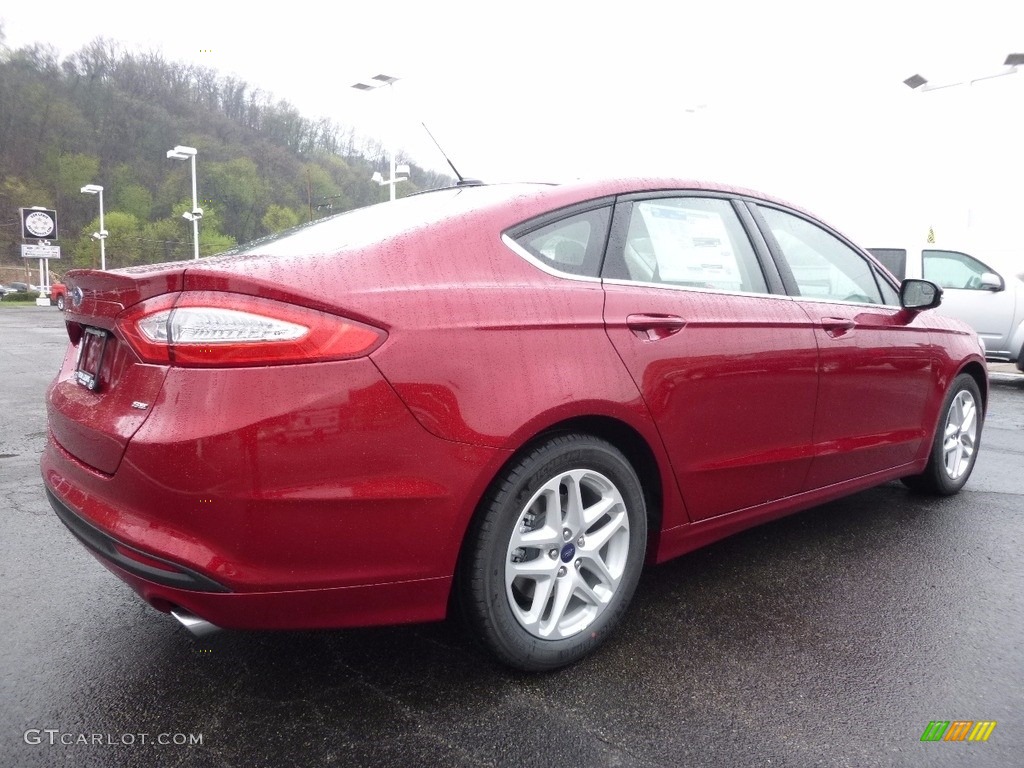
x=168, y=586
x=128, y=559
x=341, y=510
x=356, y=606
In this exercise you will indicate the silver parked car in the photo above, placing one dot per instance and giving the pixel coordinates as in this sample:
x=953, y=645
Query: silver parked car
x=986, y=294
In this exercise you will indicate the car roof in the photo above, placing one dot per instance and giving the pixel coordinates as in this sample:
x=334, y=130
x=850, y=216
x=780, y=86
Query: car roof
x=499, y=206
x=511, y=202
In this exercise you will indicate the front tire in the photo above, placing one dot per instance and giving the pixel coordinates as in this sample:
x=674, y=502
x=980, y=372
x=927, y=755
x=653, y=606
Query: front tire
x=957, y=439
x=556, y=553
x=60, y=302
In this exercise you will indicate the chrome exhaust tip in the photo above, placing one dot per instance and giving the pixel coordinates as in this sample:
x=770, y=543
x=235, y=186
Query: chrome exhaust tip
x=198, y=627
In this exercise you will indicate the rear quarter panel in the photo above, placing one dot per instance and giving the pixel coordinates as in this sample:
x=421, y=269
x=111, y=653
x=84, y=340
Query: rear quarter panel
x=505, y=352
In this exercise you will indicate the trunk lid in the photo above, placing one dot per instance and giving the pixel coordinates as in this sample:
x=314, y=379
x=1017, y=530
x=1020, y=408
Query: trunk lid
x=104, y=392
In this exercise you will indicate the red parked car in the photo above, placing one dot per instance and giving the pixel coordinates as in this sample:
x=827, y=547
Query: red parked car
x=59, y=295
x=513, y=395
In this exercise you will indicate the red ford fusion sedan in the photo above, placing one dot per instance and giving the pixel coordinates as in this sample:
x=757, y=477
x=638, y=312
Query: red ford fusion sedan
x=505, y=398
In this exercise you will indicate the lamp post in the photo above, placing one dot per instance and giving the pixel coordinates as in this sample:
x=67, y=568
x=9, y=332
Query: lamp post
x=376, y=82
x=96, y=189
x=185, y=153
x=400, y=169
x=919, y=83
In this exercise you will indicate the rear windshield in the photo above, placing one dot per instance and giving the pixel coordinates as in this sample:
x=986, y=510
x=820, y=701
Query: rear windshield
x=375, y=223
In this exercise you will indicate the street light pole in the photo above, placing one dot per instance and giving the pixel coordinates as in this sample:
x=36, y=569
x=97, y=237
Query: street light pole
x=96, y=189
x=181, y=153
x=376, y=82
x=919, y=83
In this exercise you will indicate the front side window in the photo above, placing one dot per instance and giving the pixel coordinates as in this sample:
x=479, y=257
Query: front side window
x=890, y=296
x=693, y=242
x=952, y=269
x=823, y=266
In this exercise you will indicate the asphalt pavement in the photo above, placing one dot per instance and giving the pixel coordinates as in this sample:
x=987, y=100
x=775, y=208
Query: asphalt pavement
x=830, y=638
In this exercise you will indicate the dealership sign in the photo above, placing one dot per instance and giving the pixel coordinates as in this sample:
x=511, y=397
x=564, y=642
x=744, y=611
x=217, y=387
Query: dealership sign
x=40, y=251
x=38, y=224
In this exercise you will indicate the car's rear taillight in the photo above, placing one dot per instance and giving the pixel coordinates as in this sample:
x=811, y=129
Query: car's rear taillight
x=212, y=329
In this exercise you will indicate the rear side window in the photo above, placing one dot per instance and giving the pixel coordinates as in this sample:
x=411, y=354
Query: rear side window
x=573, y=245
x=690, y=242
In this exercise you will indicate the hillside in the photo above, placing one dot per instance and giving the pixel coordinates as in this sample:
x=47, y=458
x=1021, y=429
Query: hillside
x=107, y=116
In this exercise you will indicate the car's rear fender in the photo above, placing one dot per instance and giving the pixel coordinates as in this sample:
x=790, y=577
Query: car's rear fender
x=631, y=431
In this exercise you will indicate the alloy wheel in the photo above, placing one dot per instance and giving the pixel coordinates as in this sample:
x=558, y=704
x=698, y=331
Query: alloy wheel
x=567, y=554
x=961, y=434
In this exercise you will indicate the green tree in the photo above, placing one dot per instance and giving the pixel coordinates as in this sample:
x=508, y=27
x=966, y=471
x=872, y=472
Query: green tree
x=70, y=172
x=320, y=188
x=212, y=242
x=134, y=199
x=165, y=240
x=212, y=239
x=107, y=116
x=23, y=193
x=123, y=244
x=278, y=218
x=237, y=190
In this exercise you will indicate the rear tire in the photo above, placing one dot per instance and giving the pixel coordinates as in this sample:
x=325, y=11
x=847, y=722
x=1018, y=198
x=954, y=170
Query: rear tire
x=957, y=439
x=60, y=302
x=555, y=555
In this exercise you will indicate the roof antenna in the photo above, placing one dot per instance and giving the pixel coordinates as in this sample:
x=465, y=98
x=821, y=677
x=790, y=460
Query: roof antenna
x=461, y=181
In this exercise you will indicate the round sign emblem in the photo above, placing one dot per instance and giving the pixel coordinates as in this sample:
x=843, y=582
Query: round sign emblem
x=39, y=224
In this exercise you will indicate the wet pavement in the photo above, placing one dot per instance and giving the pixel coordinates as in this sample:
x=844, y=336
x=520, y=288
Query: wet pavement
x=830, y=638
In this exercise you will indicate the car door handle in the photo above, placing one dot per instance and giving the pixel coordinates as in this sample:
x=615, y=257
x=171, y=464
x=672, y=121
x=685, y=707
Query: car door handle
x=837, y=326
x=652, y=327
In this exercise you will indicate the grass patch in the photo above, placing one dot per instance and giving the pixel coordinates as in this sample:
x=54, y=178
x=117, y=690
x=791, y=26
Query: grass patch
x=14, y=298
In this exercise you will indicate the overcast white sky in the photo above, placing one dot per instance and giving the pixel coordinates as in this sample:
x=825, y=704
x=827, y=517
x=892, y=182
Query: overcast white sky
x=800, y=99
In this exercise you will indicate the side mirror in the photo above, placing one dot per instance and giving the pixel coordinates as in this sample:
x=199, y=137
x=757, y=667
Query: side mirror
x=990, y=281
x=919, y=294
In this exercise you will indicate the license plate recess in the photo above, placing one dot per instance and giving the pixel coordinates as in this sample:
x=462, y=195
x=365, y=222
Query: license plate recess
x=90, y=357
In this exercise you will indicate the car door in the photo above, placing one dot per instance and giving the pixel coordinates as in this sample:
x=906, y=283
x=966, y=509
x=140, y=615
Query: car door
x=988, y=310
x=725, y=363
x=875, y=358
